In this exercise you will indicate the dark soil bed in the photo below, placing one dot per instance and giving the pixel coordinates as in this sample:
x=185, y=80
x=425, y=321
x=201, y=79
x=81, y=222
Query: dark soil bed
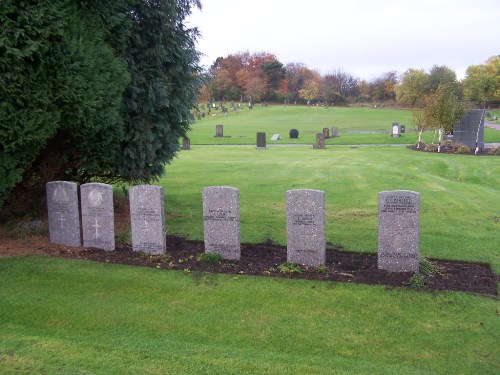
x=265, y=260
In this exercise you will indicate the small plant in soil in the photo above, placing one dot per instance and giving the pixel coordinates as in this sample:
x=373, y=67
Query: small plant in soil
x=209, y=258
x=289, y=267
x=321, y=269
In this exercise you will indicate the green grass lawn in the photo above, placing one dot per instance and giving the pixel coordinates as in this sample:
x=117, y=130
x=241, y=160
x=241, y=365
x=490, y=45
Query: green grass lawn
x=460, y=207
x=77, y=317
x=63, y=316
x=241, y=127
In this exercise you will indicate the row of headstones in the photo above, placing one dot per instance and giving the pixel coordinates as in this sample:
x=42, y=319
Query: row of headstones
x=398, y=227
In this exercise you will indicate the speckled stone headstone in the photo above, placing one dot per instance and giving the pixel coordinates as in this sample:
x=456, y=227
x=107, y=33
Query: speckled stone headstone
x=219, y=130
x=305, y=226
x=98, y=216
x=398, y=230
x=147, y=216
x=63, y=213
x=320, y=141
x=335, y=132
x=261, y=141
x=221, y=221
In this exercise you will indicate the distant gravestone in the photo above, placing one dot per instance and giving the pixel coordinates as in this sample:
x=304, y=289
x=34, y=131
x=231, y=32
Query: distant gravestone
x=63, y=213
x=398, y=230
x=186, y=143
x=275, y=137
x=305, y=226
x=147, y=216
x=469, y=130
x=98, y=216
x=294, y=133
x=261, y=141
x=320, y=141
x=335, y=132
x=221, y=221
x=326, y=133
x=219, y=131
x=396, y=129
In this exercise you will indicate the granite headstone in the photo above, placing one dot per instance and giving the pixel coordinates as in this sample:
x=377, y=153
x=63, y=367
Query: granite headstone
x=219, y=131
x=147, y=216
x=398, y=230
x=320, y=141
x=221, y=221
x=305, y=226
x=63, y=213
x=98, y=216
x=261, y=141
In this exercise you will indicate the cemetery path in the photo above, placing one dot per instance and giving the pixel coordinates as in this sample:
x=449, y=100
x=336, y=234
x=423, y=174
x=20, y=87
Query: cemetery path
x=492, y=126
x=265, y=259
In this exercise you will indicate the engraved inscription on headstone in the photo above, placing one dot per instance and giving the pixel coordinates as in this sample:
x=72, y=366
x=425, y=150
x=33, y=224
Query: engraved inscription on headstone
x=398, y=230
x=221, y=221
x=63, y=214
x=305, y=226
x=98, y=216
x=147, y=216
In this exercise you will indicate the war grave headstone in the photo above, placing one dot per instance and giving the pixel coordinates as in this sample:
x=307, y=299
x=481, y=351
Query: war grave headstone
x=147, y=216
x=335, y=132
x=326, y=133
x=261, y=141
x=219, y=131
x=221, y=221
x=305, y=226
x=320, y=141
x=98, y=216
x=398, y=230
x=63, y=213
x=186, y=143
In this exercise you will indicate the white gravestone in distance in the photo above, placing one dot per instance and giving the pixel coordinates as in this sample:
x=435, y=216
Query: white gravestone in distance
x=63, y=214
x=147, y=216
x=305, y=227
x=98, y=216
x=398, y=230
x=221, y=221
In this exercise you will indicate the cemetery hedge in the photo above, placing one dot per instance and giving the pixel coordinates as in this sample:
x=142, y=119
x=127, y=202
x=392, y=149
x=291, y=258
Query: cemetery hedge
x=92, y=89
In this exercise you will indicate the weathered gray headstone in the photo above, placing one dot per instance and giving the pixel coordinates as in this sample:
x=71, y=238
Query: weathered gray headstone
x=275, y=137
x=261, y=140
x=335, y=132
x=305, y=226
x=63, y=213
x=221, y=221
x=219, y=131
x=147, y=216
x=186, y=143
x=398, y=230
x=320, y=141
x=98, y=216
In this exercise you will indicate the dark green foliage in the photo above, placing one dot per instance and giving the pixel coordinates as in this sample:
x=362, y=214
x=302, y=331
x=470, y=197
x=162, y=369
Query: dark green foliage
x=92, y=90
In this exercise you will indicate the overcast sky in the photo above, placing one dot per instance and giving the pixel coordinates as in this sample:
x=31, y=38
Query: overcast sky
x=362, y=37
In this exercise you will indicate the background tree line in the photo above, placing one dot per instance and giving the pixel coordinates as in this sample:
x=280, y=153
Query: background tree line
x=262, y=77
x=92, y=89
